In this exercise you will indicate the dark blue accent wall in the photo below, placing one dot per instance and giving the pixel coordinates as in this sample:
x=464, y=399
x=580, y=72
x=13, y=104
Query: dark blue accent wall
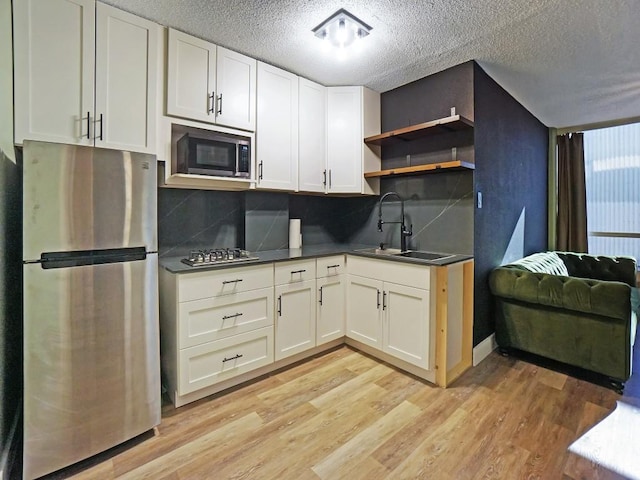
x=511, y=151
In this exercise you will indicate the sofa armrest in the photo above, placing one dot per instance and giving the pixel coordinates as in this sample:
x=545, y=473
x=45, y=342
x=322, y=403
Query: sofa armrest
x=604, y=298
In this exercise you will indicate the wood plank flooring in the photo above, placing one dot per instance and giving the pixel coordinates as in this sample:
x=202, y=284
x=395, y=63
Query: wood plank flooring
x=344, y=415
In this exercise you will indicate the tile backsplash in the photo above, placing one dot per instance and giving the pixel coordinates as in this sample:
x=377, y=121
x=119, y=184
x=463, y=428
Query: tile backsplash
x=189, y=219
x=440, y=207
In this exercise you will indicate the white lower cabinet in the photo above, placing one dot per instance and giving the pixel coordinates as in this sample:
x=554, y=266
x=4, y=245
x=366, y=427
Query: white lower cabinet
x=224, y=326
x=295, y=318
x=364, y=321
x=405, y=323
x=391, y=317
x=330, y=307
x=214, y=325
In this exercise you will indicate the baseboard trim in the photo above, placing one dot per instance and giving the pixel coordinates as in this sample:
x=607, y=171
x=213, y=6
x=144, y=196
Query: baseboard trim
x=8, y=454
x=484, y=349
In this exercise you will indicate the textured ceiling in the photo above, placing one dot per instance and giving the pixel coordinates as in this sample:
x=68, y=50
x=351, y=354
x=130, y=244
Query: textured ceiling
x=570, y=62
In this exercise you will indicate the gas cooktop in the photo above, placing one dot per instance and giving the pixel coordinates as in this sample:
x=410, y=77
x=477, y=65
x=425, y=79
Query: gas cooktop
x=218, y=256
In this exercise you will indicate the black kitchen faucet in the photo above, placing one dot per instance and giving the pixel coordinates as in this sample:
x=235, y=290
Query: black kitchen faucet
x=404, y=233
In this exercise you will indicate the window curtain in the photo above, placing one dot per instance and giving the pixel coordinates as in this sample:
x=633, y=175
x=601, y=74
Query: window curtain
x=571, y=228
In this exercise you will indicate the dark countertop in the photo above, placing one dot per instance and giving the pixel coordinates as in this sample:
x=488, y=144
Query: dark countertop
x=174, y=265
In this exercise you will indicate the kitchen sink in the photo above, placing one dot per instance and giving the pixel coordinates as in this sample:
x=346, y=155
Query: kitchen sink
x=424, y=255
x=380, y=251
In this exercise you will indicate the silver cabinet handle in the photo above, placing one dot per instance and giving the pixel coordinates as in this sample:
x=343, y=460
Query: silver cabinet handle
x=227, y=317
x=329, y=178
x=225, y=359
x=378, y=301
x=320, y=301
x=211, y=100
x=219, y=112
x=225, y=282
x=293, y=272
x=324, y=177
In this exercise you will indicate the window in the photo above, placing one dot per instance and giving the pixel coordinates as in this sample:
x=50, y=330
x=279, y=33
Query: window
x=612, y=173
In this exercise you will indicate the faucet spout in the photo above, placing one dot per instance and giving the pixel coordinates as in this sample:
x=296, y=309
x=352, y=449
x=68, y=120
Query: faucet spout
x=404, y=233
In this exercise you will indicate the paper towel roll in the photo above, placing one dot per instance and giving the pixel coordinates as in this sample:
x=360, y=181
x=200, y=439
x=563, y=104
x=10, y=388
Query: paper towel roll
x=295, y=237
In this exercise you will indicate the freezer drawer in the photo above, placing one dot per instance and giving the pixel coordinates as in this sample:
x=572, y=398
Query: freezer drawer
x=91, y=360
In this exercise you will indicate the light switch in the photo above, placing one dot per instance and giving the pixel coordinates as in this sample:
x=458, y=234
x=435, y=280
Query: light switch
x=479, y=199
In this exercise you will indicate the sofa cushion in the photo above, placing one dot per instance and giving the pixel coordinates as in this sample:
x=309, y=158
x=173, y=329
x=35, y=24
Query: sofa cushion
x=543, y=262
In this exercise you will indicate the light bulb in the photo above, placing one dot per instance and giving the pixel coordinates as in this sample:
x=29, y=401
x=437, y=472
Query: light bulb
x=341, y=34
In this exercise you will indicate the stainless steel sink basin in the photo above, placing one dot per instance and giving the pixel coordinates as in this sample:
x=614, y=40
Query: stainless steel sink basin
x=424, y=255
x=380, y=251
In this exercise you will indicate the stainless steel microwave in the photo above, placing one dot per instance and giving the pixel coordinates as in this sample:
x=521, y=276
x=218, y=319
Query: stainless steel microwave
x=219, y=154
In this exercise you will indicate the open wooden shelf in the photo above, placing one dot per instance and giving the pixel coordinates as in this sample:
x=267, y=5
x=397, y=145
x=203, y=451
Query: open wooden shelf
x=454, y=123
x=428, y=168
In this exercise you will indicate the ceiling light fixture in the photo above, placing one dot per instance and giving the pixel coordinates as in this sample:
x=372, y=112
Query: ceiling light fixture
x=342, y=29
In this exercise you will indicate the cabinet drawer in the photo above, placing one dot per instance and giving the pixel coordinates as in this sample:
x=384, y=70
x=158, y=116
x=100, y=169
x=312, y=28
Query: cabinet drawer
x=330, y=266
x=207, y=364
x=295, y=272
x=194, y=286
x=214, y=318
x=418, y=276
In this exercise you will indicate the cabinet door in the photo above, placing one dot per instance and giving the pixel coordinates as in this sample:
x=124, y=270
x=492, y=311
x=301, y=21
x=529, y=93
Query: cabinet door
x=331, y=309
x=406, y=324
x=236, y=84
x=126, y=56
x=277, y=124
x=191, y=74
x=312, y=131
x=295, y=318
x=364, y=309
x=345, y=140
x=54, y=70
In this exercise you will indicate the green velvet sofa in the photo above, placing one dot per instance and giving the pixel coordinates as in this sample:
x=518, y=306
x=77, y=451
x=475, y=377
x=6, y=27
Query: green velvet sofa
x=572, y=308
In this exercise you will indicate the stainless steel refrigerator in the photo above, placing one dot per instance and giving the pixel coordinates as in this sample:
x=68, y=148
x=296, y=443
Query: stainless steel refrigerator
x=91, y=339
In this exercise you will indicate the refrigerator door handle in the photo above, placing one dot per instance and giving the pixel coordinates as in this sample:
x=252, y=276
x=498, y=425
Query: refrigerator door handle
x=80, y=258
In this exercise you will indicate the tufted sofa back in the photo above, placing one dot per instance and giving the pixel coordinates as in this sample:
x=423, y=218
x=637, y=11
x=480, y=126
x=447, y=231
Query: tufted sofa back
x=600, y=267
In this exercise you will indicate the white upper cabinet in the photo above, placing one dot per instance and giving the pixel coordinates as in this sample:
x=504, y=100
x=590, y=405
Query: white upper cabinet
x=277, y=129
x=236, y=84
x=191, y=77
x=126, y=56
x=70, y=52
x=353, y=113
x=312, y=123
x=54, y=63
x=210, y=84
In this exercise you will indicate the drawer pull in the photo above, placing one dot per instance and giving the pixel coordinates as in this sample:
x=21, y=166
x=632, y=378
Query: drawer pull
x=337, y=265
x=227, y=317
x=298, y=271
x=225, y=359
x=320, y=301
x=225, y=282
x=279, y=305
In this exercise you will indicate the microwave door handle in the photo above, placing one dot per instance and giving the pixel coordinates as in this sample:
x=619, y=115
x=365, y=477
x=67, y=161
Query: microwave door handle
x=212, y=100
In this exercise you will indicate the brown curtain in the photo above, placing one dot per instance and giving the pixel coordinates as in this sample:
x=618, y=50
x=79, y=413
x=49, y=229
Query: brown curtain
x=571, y=227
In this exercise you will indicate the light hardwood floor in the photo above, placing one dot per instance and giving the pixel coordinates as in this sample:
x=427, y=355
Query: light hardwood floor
x=344, y=415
